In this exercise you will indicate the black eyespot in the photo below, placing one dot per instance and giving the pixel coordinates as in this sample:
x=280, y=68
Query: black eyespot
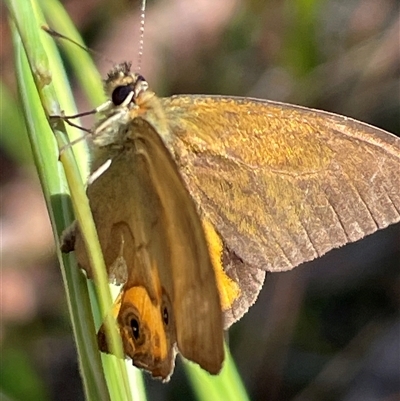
x=120, y=93
x=135, y=328
x=165, y=316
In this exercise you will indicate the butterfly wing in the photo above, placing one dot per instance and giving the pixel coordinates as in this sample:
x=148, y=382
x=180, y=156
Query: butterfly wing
x=196, y=301
x=283, y=184
x=151, y=236
x=250, y=280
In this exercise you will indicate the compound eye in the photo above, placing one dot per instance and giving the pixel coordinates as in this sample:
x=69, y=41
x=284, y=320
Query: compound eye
x=120, y=93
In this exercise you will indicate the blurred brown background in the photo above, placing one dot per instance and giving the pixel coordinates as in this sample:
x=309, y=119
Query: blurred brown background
x=330, y=329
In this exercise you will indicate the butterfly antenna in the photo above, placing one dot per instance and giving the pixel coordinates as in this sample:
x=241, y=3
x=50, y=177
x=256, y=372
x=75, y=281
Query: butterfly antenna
x=59, y=35
x=141, y=41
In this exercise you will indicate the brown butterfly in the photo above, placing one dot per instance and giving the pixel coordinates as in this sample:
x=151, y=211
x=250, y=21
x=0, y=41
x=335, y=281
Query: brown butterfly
x=195, y=198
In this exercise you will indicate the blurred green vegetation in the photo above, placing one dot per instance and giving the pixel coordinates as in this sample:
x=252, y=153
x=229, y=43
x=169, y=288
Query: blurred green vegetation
x=315, y=333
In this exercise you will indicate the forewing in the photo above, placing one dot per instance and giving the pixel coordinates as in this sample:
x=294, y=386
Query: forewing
x=128, y=217
x=195, y=298
x=151, y=236
x=284, y=184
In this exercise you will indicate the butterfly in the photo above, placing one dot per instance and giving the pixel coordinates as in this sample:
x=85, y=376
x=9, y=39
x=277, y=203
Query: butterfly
x=196, y=197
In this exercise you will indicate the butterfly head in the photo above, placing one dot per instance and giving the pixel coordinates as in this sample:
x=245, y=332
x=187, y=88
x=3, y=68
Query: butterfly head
x=123, y=87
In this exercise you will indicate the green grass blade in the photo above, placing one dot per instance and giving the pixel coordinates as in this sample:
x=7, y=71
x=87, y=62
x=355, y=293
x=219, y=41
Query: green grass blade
x=227, y=386
x=49, y=170
x=36, y=79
